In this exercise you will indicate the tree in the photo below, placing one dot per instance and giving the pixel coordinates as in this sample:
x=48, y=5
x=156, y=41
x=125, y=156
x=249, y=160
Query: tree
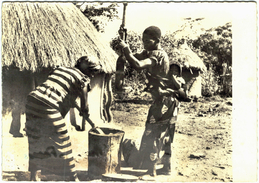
x=215, y=47
x=99, y=13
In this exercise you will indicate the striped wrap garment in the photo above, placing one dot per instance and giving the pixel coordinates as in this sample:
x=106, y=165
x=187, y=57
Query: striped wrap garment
x=49, y=142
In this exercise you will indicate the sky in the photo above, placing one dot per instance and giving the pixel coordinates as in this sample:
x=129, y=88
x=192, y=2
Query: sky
x=170, y=16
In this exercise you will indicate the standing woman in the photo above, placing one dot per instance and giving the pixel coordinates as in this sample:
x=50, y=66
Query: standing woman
x=158, y=127
x=49, y=142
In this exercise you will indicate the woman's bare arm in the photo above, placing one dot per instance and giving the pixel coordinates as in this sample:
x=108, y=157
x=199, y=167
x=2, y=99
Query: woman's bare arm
x=84, y=101
x=136, y=63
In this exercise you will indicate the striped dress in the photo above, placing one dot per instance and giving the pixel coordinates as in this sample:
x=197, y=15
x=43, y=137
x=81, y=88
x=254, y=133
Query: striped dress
x=49, y=143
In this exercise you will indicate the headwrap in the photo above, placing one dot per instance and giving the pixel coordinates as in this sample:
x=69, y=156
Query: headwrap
x=153, y=31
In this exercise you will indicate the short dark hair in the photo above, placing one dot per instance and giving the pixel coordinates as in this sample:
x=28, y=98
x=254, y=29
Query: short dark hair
x=178, y=66
x=154, y=32
x=91, y=65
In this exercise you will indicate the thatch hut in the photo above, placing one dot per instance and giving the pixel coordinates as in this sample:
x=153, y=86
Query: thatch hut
x=39, y=36
x=193, y=66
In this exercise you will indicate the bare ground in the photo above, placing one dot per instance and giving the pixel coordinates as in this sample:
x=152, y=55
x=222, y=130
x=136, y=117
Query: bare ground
x=202, y=148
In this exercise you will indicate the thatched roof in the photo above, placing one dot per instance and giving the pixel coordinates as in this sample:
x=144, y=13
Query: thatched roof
x=187, y=58
x=36, y=35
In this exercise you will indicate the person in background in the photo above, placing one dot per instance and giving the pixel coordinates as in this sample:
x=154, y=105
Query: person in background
x=160, y=124
x=49, y=142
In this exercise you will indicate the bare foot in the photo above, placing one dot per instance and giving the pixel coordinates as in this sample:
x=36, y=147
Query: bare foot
x=164, y=171
x=74, y=178
x=35, y=175
x=152, y=171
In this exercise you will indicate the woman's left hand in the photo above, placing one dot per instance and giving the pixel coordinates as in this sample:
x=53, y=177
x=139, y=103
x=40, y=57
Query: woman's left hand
x=122, y=44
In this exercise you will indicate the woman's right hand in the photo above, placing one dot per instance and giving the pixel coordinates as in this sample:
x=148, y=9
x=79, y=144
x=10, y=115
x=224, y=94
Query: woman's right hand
x=77, y=127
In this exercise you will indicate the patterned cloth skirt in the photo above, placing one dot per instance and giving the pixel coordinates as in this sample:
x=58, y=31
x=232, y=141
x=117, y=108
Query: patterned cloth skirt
x=155, y=144
x=157, y=138
x=49, y=143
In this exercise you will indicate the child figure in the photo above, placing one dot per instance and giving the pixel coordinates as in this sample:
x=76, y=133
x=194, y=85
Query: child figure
x=174, y=84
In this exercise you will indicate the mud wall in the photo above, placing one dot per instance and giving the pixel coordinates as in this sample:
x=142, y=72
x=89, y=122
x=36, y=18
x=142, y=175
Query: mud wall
x=193, y=81
x=16, y=85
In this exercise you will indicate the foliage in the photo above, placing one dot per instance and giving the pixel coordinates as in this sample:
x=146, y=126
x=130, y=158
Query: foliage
x=210, y=82
x=99, y=13
x=135, y=43
x=215, y=47
x=168, y=43
x=134, y=79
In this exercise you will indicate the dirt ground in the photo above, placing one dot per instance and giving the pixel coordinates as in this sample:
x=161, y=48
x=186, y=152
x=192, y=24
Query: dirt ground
x=202, y=148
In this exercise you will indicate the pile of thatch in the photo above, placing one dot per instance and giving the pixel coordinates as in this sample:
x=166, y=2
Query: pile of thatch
x=36, y=35
x=187, y=58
